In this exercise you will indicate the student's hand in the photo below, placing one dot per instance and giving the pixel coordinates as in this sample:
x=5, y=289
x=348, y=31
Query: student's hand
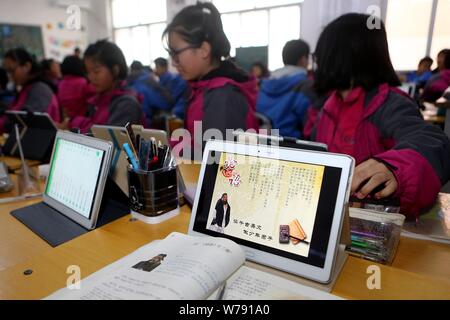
x=63, y=125
x=371, y=174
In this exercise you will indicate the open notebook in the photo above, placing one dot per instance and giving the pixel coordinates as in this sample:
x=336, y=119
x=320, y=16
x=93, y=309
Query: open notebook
x=183, y=267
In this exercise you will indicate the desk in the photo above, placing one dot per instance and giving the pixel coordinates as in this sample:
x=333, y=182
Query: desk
x=14, y=164
x=420, y=270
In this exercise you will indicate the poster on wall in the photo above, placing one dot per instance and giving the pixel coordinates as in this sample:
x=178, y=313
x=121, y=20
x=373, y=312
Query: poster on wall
x=28, y=37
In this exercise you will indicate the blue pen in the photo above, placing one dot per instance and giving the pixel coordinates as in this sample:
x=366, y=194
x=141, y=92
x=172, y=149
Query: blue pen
x=130, y=155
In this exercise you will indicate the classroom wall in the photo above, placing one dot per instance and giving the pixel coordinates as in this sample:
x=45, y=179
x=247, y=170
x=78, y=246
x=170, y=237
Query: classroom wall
x=316, y=14
x=52, y=16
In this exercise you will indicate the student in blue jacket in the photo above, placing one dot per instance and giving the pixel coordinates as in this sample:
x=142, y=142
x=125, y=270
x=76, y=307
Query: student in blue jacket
x=175, y=84
x=155, y=98
x=285, y=97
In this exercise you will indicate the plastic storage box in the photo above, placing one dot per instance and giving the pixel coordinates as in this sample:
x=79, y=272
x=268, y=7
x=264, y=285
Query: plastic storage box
x=375, y=235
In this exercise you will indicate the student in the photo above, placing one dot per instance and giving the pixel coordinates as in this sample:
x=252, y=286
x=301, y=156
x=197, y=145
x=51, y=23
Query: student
x=176, y=85
x=114, y=104
x=6, y=96
x=155, y=98
x=260, y=71
x=440, y=60
x=74, y=89
x=423, y=73
x=397, y=153
x=51, y=73
x=35, y=95
x=285, y=97
x=438, y=83
x=223, y=96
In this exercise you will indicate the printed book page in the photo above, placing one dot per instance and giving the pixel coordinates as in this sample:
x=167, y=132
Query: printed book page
x=251, y=284
x=179, y=267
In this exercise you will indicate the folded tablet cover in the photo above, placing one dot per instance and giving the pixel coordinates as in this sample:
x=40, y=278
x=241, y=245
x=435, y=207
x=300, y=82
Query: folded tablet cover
x=57, y=229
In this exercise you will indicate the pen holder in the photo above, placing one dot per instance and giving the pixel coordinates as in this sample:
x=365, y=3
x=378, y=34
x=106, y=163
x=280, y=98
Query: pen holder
x=153, y=194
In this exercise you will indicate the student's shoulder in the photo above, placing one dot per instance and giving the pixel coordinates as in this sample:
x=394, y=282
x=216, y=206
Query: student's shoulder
x=128, y=99
x=40, y=87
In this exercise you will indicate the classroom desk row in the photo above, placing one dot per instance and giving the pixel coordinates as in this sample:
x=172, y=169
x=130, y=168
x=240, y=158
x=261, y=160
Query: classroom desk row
x=420, y=269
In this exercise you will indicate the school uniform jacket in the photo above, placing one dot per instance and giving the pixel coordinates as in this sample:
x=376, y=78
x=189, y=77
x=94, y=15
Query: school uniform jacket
x=35, y=96
x=391, y=130
x=115, y=108
x=73, y=95
x=285, y=99
x=223, y=99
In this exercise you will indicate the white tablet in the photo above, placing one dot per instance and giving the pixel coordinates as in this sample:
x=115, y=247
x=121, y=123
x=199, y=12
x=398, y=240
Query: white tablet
x=78, y=171
x=284, y=206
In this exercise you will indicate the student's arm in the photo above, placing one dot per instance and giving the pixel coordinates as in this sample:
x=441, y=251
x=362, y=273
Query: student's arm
x=225, y=108
x=39, y=98
x=124, y=109
x=420, y=156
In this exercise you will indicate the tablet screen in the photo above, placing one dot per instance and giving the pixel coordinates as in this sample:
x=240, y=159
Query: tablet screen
x=280, y=207
x=74, y=176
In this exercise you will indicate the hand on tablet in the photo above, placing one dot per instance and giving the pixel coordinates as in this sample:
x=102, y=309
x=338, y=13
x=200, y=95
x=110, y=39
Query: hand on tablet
x=371, y=176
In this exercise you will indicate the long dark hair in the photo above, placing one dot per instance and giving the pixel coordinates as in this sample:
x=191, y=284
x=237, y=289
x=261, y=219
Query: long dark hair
x=349, y=54
x=22, y=57
x=199, y=23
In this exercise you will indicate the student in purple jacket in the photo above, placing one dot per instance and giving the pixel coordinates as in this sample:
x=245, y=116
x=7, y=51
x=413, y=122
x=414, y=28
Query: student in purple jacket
x=35, y=94
x=436, y=86
x=222, y=95
x=397, y=153
x=114, y=104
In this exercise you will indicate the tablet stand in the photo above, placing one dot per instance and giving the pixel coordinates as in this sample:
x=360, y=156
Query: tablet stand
x=56, y=229
x=341, y=258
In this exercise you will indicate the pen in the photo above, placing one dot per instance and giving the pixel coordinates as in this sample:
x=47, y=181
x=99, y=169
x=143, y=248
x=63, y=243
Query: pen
x=302, y=241
x=131, y=157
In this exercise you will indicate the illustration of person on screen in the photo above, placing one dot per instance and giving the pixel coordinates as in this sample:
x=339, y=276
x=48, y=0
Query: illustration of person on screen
x=151, y=264
x=222, y=217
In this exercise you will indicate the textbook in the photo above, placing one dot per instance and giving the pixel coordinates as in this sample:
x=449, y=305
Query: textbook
x=183, y=267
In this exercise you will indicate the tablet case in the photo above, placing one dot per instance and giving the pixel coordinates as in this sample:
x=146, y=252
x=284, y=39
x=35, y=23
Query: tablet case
x=38, y=136
x=56, y=229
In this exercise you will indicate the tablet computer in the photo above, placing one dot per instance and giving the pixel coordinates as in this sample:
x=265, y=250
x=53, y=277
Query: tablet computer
x=284, y=206
x=118, y=136
x=77, y=176
x=285, y=142
x=37, y=132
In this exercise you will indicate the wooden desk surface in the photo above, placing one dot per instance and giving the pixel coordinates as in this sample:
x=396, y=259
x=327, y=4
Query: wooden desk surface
x=14, y=164
x=420, y=270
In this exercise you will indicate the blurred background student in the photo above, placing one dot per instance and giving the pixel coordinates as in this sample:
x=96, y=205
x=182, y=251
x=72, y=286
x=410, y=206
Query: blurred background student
x=175, y=84
x=285, y=97
x=74, y=90
x=441, y=60
x=155, y=98
x=223, y=96
x=114, y=104
x=51, y=73
x=260, y=71
x=438, y=83
x=397, y=153
x=6, y=95
x=34, y=93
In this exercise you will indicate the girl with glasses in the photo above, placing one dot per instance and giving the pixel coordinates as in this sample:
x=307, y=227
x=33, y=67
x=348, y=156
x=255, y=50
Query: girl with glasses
x=222, y=95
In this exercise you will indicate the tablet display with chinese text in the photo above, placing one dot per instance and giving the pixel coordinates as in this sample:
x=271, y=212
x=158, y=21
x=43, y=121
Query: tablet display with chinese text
x=284, y=206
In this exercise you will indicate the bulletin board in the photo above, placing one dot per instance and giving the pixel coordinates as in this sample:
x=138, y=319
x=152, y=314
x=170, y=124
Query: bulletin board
x=28, y=37
x=245, y=57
